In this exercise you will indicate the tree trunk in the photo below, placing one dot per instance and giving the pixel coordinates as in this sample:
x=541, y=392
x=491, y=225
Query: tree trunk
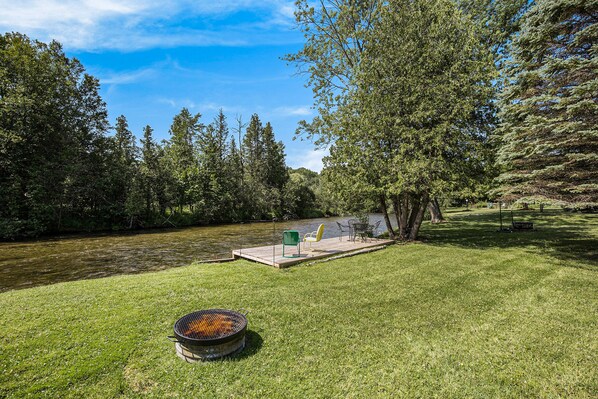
x=414, y=212
x=401, y=209
x=435, y=212
x=419, y=216
x=391, y=232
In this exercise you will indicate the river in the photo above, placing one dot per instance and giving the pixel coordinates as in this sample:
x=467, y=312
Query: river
x=66, y=258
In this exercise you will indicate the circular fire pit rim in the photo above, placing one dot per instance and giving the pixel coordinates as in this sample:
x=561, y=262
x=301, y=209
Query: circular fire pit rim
x=179, y=336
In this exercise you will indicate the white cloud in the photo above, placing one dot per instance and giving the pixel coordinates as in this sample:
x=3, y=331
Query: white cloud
x=304, y=110
x=206, y=108
x=129, y=77
x=310, y=159
x=168, y=101
x=135, y=24
x=178, y=103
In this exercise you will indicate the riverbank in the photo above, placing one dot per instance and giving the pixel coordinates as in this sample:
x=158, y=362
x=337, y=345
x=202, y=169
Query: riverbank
x=69, y=258
x=467, y=312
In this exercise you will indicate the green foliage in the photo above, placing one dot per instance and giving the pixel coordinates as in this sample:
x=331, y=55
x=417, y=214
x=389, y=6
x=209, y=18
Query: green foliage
x=549, y=110
x=60, y=171
x=182, y=158
x=399, y=86
x=265, y=171
x=52, y=139
x=498, y=20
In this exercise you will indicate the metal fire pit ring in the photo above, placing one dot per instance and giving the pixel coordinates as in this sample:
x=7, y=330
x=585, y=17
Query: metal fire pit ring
x=210, y=327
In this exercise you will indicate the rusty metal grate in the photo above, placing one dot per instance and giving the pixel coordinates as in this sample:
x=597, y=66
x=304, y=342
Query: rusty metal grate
x=211, y=324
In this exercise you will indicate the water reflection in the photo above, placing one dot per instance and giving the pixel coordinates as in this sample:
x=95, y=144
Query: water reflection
x=47, y=261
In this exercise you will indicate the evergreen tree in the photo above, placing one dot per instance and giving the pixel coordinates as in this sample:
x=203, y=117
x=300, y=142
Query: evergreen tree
x=149, y=170
x=236, y=184
x=276, y=173
x=253, y=149
x=258, y=203
x=125, y=178
x=549, y=109
x=182, y=158
x=212, y=144
x=498, y=20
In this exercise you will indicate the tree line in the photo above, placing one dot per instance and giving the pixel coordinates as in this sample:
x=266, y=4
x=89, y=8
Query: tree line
x=61, y=170
x=418, y=101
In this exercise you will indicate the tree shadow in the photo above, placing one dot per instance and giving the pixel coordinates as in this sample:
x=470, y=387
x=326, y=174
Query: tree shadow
x=565, y=236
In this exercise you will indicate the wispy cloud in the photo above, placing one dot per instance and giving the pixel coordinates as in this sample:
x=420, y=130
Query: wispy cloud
x=178, y=103
x=135, y=24
x=309, y=158
x=205, y=107
x=303, y=110
x=129, y=77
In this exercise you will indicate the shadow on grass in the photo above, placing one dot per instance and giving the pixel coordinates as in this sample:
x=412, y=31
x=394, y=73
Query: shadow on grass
x=253, y=344
x=565, y=236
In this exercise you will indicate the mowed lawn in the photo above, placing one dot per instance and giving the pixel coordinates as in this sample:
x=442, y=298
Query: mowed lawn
x=466, y=312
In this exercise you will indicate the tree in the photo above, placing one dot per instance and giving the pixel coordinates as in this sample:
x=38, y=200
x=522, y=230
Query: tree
x=182, y=159
x=238, y=192
x=213, y=152
x=253, y=156
x=124, y=167
x=149, y=169
x=52, y=138
x=299, y=197
x=397, y=85
x=549, y=109
x=276, y=174
x=498, y=20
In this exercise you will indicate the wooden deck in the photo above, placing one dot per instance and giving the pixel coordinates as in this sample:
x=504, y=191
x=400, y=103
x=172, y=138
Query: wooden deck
x=324, y=248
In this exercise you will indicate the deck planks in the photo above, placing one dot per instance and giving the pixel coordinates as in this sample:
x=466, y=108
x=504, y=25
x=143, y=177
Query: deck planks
x=324, y=248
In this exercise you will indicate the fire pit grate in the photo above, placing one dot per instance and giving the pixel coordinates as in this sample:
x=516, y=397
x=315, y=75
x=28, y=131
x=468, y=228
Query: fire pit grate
x=209, y=334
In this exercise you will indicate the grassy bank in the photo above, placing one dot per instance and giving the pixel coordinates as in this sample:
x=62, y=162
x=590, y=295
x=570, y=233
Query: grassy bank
x=467, y=312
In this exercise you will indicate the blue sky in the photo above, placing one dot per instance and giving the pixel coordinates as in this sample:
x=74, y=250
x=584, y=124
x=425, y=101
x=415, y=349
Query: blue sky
x=155, y=57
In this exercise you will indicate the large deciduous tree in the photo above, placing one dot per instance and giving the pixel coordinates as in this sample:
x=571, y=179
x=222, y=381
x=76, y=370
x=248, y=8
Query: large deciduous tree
x=550, y=107
x=52, y=138
x=398, y=85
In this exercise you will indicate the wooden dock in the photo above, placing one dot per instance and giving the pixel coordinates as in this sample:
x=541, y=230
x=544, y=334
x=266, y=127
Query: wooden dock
x=272, y=254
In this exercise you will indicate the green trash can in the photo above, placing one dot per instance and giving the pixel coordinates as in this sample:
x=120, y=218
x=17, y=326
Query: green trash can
x=291, y=237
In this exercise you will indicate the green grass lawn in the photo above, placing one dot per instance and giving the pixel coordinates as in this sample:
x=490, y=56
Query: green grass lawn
x=467, y=312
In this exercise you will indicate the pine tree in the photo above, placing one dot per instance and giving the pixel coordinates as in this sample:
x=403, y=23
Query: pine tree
x=182, y=158
x=549, y=108
x=236, y=183
x=216, y=193
x=149, y=169
x=276, y=173
x=253, y=149
x=124, y=170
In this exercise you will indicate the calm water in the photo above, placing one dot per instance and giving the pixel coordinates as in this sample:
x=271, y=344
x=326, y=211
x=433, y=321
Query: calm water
x=47, y=261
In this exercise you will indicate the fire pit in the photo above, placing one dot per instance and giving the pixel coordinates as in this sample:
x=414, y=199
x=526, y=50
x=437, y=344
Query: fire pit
x=209, y=334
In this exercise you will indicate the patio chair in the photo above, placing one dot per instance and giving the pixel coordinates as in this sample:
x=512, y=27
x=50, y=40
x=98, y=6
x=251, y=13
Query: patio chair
x=374, y=228
x=352, y=233
x=314, y=236
x=342, y=229
x=366, y=230
x=291, y=237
